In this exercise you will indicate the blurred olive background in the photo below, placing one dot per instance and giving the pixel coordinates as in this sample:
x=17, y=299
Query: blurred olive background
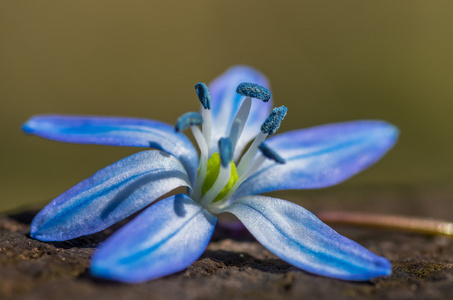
x=328, y=61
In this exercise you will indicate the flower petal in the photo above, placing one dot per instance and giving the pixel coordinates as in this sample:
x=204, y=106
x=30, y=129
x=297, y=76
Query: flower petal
x=166, y=238
x=225, y=103
x=321, y=156
x=109, y=196
x=116, y=131
x=298, y=237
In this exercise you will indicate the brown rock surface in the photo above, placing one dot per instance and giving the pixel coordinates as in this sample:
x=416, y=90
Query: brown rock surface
x=239, y=267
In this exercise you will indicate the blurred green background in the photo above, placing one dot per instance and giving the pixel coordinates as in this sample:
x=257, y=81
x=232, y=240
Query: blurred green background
x=328, y=61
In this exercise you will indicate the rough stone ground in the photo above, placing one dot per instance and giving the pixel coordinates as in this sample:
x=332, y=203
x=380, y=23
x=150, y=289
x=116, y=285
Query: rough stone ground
x=236, y=266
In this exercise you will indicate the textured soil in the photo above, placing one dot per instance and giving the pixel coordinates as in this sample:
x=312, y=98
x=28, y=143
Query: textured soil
x=236, y=266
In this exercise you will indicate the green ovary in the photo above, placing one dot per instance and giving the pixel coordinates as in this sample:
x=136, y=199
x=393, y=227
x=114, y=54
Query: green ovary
x=212, y=173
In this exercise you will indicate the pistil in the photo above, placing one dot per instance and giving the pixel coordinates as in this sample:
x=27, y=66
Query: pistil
x=266, y=153
x=226, y=157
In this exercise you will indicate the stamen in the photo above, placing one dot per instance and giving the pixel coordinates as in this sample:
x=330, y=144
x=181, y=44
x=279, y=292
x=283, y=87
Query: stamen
x=239, y=121
x=205, y=98
x=187, y=120
x=203, y=94
x=225, y=151
x=271, y=154
x=253, y=90
x=269, y=127
x=193, y=120
x=200, y=141
x=272, y=123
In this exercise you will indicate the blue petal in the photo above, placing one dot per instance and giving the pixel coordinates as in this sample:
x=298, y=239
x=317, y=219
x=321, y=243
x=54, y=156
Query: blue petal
x=298, y=237
x=321, y=156
x=116, y=131
x=225, y=103
x=166, y=238
x=109, y=196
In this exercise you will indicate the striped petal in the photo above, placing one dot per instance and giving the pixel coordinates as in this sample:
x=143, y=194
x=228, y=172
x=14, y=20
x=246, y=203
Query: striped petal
x=321, y=156
x=116, y=131
x=298, y=237
x=166, y=238
x=109, y=196
x=225, y=103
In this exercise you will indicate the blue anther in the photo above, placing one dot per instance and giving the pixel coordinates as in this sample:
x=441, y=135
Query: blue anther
x=272, y=123
x=271, y=154
x=187, y=120
x=225, y=151
x=203, y=94
x=253, y=90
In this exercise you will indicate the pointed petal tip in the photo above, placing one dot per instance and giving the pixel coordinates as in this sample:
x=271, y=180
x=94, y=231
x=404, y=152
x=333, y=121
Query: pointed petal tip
x=390, y=129
x=373, y=266
x=104, y=271
x=98, y=270
x=387, y=133
x=381, y=267
x=43, y=237
x=394, y=131
x=34, y=231
x=377, y=266
x=385, y=267
x=37, y=122
x=33, y=234
x=29, y=126
x=40, y=233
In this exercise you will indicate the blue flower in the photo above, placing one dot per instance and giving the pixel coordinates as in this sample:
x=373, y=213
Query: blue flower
x=226, y=177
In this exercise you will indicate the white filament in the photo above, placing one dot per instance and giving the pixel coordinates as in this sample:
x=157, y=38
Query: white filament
x=200, y=140
x=248, y=157
x=207, y=124
x=239, y=121
x=203, y=163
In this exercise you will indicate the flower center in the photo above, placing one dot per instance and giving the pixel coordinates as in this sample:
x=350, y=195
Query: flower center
x=212, y=173
x=218, y=178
